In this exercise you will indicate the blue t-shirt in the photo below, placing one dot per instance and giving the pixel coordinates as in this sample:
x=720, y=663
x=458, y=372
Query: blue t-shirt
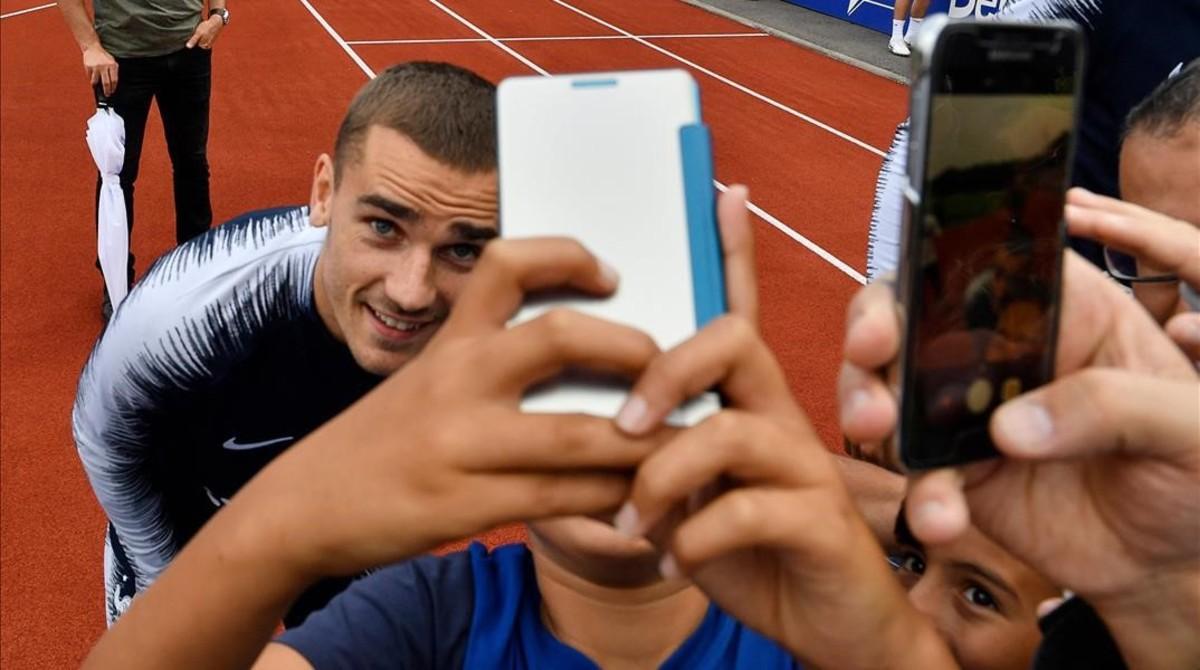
x=476, y=609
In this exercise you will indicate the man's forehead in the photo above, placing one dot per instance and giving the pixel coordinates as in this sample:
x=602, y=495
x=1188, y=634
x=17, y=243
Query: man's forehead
x=1163, y=172
x=393, y=167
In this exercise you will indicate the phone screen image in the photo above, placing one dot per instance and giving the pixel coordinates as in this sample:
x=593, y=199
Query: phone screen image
x=983, y=312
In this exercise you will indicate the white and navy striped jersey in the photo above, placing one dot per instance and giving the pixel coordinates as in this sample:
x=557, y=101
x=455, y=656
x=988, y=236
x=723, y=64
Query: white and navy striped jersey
x=214, y=364
x=1132, y=46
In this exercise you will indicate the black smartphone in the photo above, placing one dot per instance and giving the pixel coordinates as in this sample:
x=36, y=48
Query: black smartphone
x=994, y=112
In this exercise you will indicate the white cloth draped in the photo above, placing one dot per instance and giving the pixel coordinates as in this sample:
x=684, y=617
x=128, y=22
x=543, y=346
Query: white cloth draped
x=106, y=139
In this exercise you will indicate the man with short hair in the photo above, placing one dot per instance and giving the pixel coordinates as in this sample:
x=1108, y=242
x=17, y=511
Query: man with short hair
x=1160, y=170
x=136, y=52
x=241, y=342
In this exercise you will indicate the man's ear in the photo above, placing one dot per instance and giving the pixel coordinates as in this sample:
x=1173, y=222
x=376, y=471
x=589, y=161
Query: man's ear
x=320, y=205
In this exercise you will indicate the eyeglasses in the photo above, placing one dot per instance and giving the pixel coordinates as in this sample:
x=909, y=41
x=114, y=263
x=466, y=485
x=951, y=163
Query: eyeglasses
x=1124, y=267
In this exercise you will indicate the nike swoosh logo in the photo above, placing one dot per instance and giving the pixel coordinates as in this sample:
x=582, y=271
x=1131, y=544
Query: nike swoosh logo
x=233, y=445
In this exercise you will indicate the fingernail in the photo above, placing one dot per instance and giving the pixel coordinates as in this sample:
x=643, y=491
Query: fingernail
x=609, y=273
x=857, y=400
x=626, y=520
x=1047, y=606
x=930, y=513
x=633, y=415
x=1189, y=332
x=1025, y=424
x=668, y=567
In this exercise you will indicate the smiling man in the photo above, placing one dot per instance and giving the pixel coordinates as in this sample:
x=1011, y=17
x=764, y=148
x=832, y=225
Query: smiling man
x=240, y=343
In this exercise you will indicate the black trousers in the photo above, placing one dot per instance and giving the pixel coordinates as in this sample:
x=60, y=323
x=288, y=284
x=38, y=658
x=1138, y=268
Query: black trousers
x=181, y=82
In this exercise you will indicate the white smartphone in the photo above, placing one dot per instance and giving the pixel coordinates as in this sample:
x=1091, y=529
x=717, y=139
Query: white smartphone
x=621, y=162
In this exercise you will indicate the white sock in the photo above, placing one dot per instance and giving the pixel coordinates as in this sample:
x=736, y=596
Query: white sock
x=897, y=29
x=913, y=26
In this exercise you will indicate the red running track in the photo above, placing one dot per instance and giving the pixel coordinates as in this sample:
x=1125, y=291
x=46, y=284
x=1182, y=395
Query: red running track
x=281, y=83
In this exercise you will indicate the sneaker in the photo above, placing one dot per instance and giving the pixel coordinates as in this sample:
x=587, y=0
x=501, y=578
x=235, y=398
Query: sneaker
x=897, y=46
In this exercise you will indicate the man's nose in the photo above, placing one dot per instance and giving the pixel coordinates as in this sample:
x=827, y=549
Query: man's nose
x=410, y=283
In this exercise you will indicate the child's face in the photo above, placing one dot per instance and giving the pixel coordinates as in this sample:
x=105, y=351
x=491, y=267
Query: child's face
x=982, y=599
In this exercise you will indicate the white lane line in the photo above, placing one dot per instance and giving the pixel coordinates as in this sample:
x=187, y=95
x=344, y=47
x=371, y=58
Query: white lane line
x=503, y=47
x=758, y=211
x=725, y=80
x=802, y=240
x=27, y=11
x=338, y=38
x=573, y=38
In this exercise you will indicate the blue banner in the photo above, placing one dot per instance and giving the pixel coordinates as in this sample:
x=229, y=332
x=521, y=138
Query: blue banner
x=877, y=14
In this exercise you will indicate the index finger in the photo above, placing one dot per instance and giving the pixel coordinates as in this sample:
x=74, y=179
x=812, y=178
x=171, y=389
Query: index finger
x=872, y=327
x=737, y=248
x=1165, y=242
x=727, y=353
x=510, y=269
x=1100, y=325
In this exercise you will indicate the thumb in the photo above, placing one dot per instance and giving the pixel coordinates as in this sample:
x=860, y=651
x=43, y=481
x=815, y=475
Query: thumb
x=1101, y=411
x=193, y=39
x=1184, y=330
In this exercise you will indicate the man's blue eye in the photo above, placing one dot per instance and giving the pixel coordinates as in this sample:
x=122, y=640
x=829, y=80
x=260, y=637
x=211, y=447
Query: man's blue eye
x=979, y=597
x=463, y=252
x=382, y=227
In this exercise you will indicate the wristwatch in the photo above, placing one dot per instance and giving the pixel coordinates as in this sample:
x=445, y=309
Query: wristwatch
x=221, y=12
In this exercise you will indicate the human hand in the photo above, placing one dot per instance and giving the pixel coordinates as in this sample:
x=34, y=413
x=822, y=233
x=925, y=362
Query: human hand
x=782, y=547
x=441, y=450
x=101, y=67
x=206, y=33
x=1103, y=501
x=1161, y=244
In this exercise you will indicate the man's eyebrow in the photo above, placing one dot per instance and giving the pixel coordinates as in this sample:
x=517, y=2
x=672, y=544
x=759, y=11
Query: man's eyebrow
x=395, y=209
x=987, y=576
x=473, y=233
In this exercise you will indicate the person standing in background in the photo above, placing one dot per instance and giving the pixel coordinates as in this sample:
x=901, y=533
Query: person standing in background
x=902, y=39
x=135, y=52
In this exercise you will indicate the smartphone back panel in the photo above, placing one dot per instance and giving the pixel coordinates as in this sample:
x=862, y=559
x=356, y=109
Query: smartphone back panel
x=620, y=162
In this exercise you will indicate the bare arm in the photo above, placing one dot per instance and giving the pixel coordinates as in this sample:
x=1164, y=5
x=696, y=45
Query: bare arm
x=396, y=474
x=218, y=604
x=80, y=23
x=877, y=493
x=100, y=66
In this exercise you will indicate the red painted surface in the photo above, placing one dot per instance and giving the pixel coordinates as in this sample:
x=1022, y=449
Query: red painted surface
x=281, y=85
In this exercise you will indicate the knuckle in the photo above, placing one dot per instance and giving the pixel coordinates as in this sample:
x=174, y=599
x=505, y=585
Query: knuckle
x=643, y=345
x=556, y=326
x=745, y=512
x=1097, y=388
x=738, y=329
x=651, y=489
x=664, y=377
x=498, y=256
x=569, y=436
x=573, y=249
x=724, y=427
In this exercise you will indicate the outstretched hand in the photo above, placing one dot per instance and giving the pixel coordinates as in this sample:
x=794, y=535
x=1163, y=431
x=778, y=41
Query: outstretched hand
x=1098, y=487
x=751, y=506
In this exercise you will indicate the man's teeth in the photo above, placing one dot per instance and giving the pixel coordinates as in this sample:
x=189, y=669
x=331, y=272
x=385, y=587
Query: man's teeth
x=394, y=323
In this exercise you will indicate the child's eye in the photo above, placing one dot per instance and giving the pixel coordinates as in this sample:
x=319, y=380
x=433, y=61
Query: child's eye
x=979, y=597
x=912, y=562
